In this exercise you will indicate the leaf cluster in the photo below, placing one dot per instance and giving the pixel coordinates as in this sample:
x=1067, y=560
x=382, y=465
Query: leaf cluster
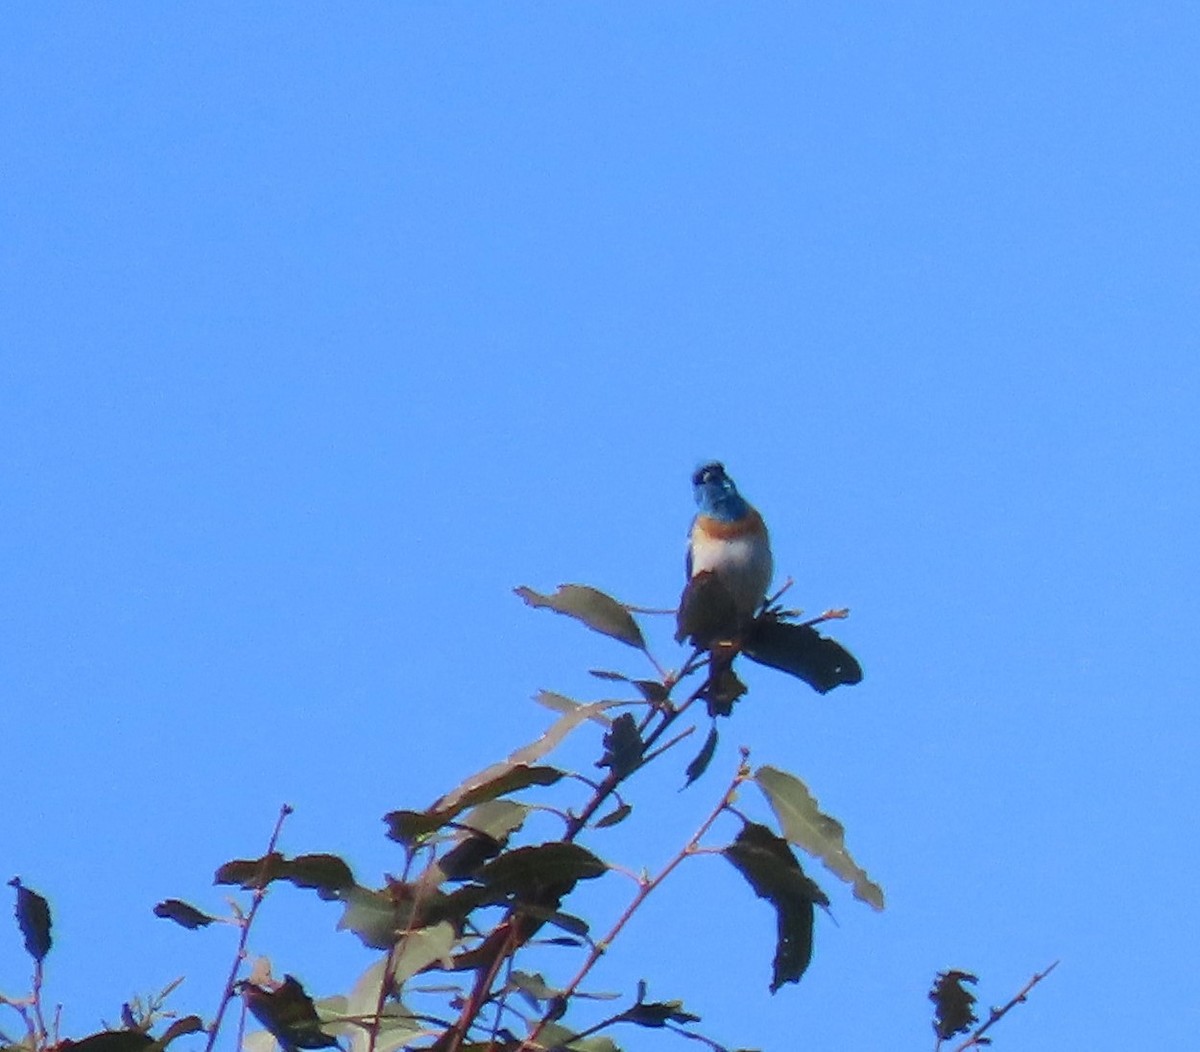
x=479, y=885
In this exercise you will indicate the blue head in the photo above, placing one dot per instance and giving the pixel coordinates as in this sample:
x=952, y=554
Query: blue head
x=717, y=495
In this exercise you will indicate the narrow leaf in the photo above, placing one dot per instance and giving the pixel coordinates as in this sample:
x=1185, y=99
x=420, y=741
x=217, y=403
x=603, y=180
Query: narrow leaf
x=33, y=918
x=598, y=611
x=617, y=814
x=506, y=779
x=481, y=786
x=772, y=870
x=189, y=1024
x=703, y=758
x=803, y=823
x=560, y=703
x=411, y=827
x=183, y=914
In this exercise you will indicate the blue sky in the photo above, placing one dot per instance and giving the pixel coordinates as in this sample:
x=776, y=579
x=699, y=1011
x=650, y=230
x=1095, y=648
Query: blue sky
x=322, y=329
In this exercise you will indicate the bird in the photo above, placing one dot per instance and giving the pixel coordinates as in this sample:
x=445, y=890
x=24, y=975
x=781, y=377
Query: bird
x=729, y=562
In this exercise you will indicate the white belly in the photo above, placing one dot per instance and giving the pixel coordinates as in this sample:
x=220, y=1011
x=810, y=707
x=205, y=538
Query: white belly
x=743, y=564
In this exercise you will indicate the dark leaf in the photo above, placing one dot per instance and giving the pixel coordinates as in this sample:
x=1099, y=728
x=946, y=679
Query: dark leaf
x=803, y=822
x=533, y=986
x=568, y=922
x=468, y=855
x=512, y=780
x=189, y=1024
x=562, y=940
x=801, y=651
x=33, y=917
x=595, y=609
x=527, y=870
x=771, y=869
x=183, y=913
x=650, y=689
x=251, y=873
x=657, y=1013
x=723, y=687
x=328, y=874
x=288, y=1013
x=653, y=691
x=707, y=611
x=703, y=758
x=954, y=1004
x=412, y=827
x=113, y=1041
x=623, y=746
x=617, y=814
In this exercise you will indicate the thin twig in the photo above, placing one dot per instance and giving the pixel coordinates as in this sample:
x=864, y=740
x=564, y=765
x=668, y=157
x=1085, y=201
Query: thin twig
x=643, y=893
x=257, y=896
x=37, y=1001
x=999, y=1013
x=388, y=979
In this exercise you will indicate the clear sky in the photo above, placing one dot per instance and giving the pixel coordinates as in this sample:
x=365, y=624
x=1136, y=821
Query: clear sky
x=323, y=327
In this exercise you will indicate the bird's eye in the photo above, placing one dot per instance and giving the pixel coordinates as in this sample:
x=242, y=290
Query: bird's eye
x=708, y=473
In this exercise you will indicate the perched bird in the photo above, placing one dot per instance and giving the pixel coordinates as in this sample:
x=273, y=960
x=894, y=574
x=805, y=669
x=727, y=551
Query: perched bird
x=729, y=564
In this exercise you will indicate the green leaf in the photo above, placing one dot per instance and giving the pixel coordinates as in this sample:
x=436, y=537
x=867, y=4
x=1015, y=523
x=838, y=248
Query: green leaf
x=183, y=914
x=657, y=1014
x=560, y=703
x=189, y=1024
x=526, y=870
x=422, y=948
x=650, y=689
x=492, y=781
x=598, y=611
x=617, y=814
x=774, y=873
x=555, y=1036
x=288, y=1013
x=33, y=918
x=566, y=921
x=483, y=835
x=954, y=1004
x=251, y=873
x=623, y=747
x=328, y=874
x=412, y=827
x=374, y=916
x=703, y=758
x=802, y=822
x=504, y=779
x=114, y=1041
x=533, y=985
x=801, y=651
